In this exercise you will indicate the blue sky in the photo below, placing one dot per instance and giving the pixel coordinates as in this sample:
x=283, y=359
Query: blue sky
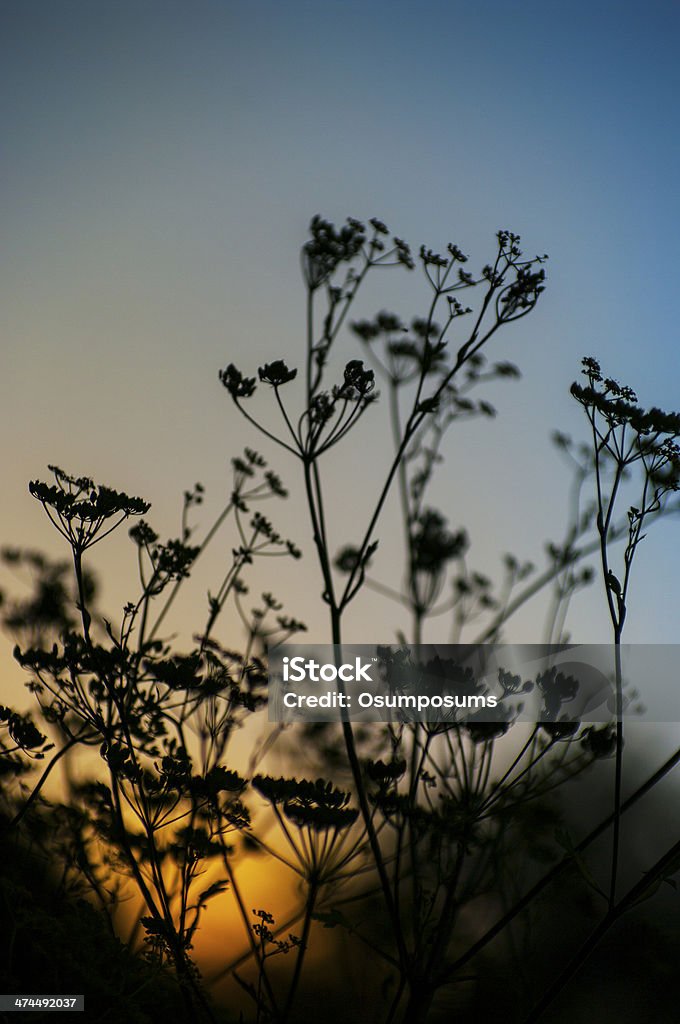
x=162, y=163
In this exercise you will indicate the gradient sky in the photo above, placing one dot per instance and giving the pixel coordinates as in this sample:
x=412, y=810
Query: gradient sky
x=161, y=164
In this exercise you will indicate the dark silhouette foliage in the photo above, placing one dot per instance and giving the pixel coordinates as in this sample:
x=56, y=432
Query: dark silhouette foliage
x=426, y=850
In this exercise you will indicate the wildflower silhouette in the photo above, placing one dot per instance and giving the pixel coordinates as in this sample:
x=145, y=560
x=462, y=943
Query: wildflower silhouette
x=420, y=842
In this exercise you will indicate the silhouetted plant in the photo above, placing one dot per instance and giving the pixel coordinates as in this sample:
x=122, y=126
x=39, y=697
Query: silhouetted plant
x=626, y=440
x=410, y=825
x=165, y=811
x=436, y=390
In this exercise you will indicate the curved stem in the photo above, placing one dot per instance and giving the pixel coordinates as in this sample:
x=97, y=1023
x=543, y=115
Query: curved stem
x=43, y=778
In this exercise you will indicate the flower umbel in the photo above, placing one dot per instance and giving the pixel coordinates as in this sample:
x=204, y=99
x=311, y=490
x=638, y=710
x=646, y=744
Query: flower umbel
x=276, y=373
x=80, y=508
